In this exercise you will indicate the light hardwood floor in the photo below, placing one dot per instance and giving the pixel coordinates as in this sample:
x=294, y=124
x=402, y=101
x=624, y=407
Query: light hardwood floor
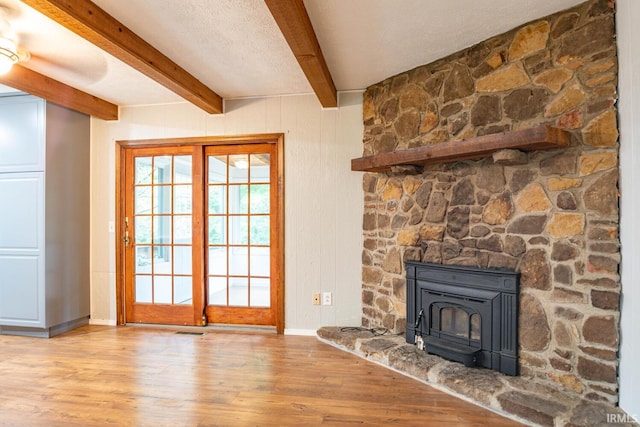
x=138, y=376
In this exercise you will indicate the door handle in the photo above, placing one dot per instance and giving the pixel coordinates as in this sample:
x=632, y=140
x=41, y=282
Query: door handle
x=126, y=239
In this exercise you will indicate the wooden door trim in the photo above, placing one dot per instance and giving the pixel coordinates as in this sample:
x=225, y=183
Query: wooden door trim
x=177, y=314
x=278, y=246
x=270, y=138
x=263, y=138
x=119, y=234
x=198, y=237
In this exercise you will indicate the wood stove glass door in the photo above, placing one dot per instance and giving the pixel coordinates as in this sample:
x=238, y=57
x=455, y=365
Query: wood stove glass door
x=455, y=322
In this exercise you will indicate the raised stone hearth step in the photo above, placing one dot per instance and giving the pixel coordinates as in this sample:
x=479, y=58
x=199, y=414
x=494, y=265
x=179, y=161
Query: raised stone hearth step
x=523, y=399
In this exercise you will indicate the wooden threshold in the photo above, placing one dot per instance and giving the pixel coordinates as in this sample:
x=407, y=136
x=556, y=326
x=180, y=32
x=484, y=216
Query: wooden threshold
x=536, y=138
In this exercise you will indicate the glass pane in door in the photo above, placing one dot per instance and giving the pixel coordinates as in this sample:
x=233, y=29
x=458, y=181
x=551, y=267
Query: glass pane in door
x=162, y=224
x=238, y=219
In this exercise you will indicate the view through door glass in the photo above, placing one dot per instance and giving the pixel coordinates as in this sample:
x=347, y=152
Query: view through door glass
x=238, y=225
x=239, y=228
x=163, y=208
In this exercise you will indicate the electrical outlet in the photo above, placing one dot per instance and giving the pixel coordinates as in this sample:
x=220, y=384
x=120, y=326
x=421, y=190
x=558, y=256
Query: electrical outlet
x=316, y=299
x=326, y=298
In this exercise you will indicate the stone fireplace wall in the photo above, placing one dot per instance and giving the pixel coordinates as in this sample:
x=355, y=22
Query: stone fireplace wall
x=552, y=215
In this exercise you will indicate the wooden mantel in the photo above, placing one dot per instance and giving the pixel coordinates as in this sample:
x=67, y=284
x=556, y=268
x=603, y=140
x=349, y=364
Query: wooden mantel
x=537, y=138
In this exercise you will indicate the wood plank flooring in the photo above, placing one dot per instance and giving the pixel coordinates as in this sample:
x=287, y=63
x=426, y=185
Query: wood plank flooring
x=139, y=376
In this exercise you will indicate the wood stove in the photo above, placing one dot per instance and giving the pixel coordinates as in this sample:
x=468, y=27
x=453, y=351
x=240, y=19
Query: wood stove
x=465, y=314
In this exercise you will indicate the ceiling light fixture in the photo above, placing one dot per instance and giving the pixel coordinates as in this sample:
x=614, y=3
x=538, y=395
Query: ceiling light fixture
x=10, y=52
x=242, y=164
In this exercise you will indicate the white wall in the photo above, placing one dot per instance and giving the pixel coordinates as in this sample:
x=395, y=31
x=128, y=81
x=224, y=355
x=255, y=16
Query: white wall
x=323, y=198
x=627, y=18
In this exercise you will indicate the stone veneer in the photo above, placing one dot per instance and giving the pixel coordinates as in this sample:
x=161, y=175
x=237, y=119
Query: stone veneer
x=552, y=215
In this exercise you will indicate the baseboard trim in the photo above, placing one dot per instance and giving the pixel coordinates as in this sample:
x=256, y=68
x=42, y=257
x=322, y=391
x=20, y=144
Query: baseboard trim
x=49, y=332
x=302, y=332
x=102, y=322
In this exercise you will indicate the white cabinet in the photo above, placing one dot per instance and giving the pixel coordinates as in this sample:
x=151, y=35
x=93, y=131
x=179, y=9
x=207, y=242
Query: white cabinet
x=44, y=217
x=21, y=243
x=22, y=134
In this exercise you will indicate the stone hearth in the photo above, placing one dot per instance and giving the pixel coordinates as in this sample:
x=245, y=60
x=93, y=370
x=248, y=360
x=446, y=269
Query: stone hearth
x=526, y=400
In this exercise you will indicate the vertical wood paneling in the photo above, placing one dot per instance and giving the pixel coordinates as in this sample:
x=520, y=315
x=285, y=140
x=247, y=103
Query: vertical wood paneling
x=302, y=197
x=311, y=204
x=330, y=217
x=253, y=117
x=215, y=124
x=627, y=16
x=315, y=204
x=273, y=112
x=291, y=171
x=187, y=120
x=233, y=117
x=348, y=245
x=323, y=198
x=102, y=246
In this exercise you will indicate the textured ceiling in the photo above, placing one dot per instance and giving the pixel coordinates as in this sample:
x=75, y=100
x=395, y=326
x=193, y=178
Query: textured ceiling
x=236, y=49
x=366, y=41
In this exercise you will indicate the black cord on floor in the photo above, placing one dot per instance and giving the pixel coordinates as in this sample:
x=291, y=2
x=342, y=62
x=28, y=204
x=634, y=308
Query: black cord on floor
x=375, y=331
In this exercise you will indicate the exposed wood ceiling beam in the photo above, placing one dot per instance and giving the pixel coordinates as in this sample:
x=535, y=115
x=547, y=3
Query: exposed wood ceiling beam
x=86, y=19
x=293, y=20
x=29, y=81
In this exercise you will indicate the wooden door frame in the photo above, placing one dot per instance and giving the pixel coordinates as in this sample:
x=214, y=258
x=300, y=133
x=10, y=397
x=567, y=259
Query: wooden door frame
x=277, y=246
